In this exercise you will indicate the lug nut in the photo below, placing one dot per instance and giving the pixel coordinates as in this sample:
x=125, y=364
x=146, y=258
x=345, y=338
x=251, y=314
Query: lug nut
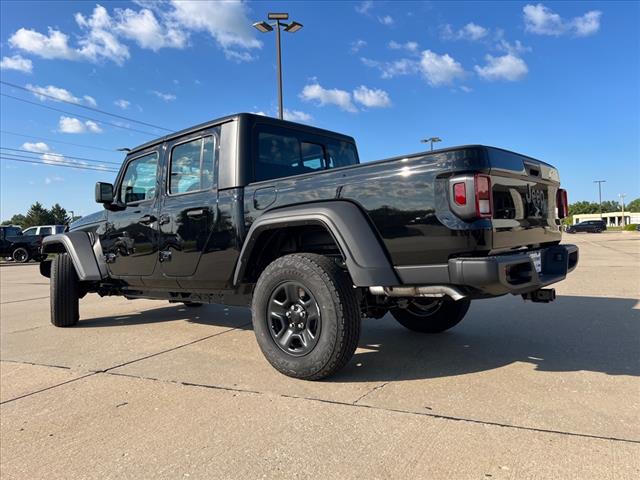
x=300, y=325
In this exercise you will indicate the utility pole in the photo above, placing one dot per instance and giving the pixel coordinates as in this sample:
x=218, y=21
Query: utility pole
x=600, y=182
x=622, y=195
x=72, y=215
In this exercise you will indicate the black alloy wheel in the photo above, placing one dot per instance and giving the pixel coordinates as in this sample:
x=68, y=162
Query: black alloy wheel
x=294, y=319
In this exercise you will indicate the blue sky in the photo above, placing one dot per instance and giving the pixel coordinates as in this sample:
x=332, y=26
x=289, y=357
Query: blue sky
x=555, y=80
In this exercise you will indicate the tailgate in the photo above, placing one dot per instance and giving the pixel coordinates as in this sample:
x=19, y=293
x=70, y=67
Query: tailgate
x=524, y=200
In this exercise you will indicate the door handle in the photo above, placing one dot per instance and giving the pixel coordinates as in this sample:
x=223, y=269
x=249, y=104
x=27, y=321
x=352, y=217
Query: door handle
x=195, y=213
x=164, y=219
x=147, y=219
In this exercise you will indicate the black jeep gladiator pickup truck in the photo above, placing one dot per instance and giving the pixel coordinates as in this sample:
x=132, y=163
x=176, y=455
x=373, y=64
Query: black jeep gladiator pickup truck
x=21, y=248
x=250, y=210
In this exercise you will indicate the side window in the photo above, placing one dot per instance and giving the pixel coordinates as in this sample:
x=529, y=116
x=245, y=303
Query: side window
x=278, y=156
x=59, y=228
x=139, y=180
x=30, y=231
x=342, y=154
x=45, y=231
x=312, y=155
x=193, y=165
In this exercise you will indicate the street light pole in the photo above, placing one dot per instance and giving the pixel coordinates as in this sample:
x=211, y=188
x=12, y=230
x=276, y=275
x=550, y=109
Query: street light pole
x=431, y=140
x=600, y=182
x=622, y=195
x=266, y=27
x=280, y=107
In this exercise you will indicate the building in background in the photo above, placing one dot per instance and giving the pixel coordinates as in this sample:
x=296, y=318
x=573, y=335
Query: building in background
x=612, y=219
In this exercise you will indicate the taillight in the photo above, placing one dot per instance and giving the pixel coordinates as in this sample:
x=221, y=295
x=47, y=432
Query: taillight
x=459, y=193
x=483, y=196
x=563, y=203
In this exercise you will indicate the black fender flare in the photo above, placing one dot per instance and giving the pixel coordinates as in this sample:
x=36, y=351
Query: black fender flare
x=364, y=256
x=82, y=250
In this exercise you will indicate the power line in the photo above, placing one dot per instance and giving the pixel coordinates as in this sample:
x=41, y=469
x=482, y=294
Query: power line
x=93, y=109
x=60, y=155
x=58, y=164
x=78, y=115
x=55, y=162
x=59, y=141
x=60, y=159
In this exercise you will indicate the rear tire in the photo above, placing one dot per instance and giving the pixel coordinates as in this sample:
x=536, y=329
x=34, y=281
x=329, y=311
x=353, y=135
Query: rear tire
x=427, y=316
x=306, y=316
x=65, y=292
x=20, y=255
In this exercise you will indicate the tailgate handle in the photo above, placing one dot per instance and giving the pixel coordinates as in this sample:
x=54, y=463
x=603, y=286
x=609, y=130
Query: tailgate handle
x=533, y=170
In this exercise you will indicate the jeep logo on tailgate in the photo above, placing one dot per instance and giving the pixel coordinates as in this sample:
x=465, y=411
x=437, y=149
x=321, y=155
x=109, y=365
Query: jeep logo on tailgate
x=536, y=202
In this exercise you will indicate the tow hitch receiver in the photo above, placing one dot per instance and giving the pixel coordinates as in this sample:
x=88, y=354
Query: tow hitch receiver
x=542, y=295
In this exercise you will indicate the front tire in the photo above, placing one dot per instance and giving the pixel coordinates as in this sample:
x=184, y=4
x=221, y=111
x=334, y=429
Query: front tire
x=431, y=316
x=65, y=292
x=20, y=255
x=306, y=316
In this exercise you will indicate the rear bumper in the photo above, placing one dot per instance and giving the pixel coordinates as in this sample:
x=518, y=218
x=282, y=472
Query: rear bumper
x=498, y=274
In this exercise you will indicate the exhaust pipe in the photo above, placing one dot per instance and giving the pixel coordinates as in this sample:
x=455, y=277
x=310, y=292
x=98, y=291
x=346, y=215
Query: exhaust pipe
x=424, y=291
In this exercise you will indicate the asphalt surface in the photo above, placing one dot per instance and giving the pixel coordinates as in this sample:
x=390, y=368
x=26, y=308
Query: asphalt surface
x=147, y=389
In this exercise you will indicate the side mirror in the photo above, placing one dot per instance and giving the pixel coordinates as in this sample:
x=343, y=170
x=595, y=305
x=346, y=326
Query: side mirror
x=104, y=193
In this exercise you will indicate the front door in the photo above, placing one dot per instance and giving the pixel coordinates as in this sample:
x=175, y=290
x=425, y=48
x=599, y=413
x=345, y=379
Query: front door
x=129, y=243
x=189, y=209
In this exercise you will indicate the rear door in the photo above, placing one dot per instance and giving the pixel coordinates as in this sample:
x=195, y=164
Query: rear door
x=189, y=209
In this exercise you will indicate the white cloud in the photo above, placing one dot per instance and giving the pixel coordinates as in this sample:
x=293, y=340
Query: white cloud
x=408, y=46
x=122, y=103
x=440, y=69
x=51, y=91
x=357, y=45
x=93, y=127
x=226, y=21
x=156, y=25
x=37, y=147
x=74, y=125
x=53, y=45
x=50, y=180
x=372, y=98
x=294, y=115
x=167, y=97
x=17, y=62
x=89, y=100
x=515, y=48
x=364, y=7
x=147, y=32
x=324, y=96
x=386, y=20
x=260, y=113
x=471, y=31
x=466, y=89
x=544, y=21
x=507, y=67
x=403, y=66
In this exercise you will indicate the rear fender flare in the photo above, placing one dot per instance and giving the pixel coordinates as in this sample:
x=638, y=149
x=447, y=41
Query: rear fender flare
x=84, y=252
x=364, y=255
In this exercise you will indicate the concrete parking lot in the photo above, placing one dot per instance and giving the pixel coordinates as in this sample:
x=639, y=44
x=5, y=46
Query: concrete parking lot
x=147, y=389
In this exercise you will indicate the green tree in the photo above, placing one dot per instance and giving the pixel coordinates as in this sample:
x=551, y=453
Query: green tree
x=583, y=207
x=610, y=206
x=37, y=215
x=17, y=219
x=59, y=215
x=633, y=206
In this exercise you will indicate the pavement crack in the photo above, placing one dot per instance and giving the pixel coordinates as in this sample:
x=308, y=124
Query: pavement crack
x=35, y=364
x=106, y=370
x=374, y=389
x=23, y=300
x=47, y=388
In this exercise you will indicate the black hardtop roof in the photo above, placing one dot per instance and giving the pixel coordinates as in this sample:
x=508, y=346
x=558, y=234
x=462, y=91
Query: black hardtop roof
x=252, y=118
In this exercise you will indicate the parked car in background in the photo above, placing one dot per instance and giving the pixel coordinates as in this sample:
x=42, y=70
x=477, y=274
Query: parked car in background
x=44, y=230
x=588, y=226
x=21, y=248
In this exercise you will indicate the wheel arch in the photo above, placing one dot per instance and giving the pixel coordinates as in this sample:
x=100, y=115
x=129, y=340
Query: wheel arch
x=84, y=251
x=364, y=255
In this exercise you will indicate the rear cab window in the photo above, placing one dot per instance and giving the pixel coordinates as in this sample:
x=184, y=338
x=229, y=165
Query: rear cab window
x=282, y=152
